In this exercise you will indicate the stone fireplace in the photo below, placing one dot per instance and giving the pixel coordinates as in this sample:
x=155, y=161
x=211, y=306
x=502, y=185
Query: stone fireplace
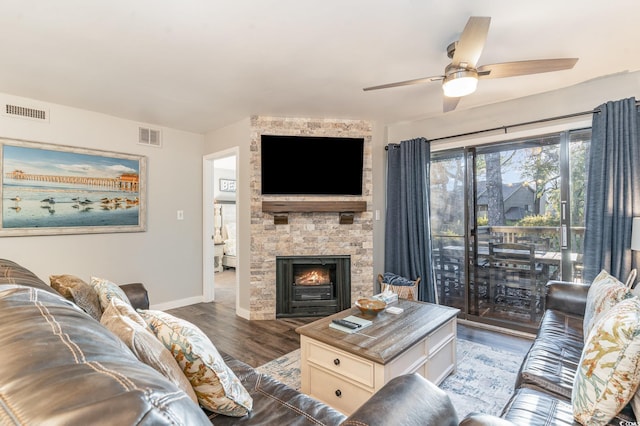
x=315, y=233
x=312, y=285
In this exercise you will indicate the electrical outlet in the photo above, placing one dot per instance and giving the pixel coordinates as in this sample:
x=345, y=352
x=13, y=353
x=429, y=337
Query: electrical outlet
x=180, y=214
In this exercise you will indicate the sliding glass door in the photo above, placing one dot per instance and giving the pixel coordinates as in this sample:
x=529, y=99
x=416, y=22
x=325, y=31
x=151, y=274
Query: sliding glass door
x=572, y=213
x=507, y=218
x=448, y=218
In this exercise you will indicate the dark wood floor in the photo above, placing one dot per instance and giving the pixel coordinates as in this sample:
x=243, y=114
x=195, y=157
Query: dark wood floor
x=258, y=342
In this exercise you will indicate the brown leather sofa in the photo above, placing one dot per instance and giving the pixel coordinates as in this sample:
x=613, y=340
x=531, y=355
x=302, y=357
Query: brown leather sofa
x=60, y=366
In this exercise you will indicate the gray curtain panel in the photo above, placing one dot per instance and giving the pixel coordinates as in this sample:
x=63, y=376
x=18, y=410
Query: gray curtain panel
x=407, y=227
x=613, y=190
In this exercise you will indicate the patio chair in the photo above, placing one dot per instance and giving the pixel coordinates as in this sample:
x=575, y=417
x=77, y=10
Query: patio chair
x=449, y=275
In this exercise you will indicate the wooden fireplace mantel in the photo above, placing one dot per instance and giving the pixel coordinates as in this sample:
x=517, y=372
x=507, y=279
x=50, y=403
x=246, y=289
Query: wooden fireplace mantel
x=282, y=208
x=313, y=206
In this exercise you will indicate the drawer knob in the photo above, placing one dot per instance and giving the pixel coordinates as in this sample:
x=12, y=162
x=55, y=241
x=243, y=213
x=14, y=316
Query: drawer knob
x=338, y=393
x=336, y=361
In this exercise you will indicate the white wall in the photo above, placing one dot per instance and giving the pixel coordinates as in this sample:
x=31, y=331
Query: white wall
x=167, y=258
x=379, y=177
x=575, y=99
x=582, y=97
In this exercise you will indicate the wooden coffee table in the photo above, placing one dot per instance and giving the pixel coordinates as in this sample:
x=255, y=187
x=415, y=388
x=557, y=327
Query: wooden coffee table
x=344, y=370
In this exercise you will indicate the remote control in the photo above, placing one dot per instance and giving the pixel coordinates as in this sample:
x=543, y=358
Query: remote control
x=347, y=324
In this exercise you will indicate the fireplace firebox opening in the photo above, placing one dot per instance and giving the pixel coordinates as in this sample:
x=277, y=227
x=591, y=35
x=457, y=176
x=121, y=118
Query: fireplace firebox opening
x=312, y=285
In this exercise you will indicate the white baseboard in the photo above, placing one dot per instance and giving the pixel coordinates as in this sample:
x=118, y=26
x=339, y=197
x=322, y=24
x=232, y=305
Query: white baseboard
x=243, y=313
x=176, y=303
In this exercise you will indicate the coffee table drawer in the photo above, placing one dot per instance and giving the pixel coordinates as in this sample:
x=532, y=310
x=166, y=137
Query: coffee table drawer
x=442, y=362
x=441, y=336
x=336, y=392
x=342, y=363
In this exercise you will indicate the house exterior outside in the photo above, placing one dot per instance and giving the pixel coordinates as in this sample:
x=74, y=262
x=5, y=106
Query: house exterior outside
x=518, y=197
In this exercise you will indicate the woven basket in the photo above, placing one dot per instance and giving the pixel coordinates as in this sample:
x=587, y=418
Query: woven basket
x=409, y=292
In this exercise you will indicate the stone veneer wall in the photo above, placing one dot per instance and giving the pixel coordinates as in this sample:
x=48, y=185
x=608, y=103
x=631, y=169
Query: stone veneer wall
x=307, y=233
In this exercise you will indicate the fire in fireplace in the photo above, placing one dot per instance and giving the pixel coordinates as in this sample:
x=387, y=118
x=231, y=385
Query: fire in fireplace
x=312, y=285
x=312, y=275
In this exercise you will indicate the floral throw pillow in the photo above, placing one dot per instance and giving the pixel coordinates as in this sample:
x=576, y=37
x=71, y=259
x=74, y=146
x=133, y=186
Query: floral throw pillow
x=605, y=291
x=128, y=325
x=107, y=290
x=218, y=389
x=609, y=371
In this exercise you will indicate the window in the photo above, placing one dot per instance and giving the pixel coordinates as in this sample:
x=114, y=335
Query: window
x=528, y=192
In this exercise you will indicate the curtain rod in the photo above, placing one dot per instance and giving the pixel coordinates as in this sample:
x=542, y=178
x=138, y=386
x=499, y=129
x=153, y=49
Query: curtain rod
x=526, y=123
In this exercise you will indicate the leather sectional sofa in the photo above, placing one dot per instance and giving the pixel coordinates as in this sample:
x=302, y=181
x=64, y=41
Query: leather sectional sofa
x=545, y=382
x=58, y=365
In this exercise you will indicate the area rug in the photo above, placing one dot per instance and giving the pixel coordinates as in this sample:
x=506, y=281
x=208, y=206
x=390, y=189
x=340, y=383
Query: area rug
x=483, y=380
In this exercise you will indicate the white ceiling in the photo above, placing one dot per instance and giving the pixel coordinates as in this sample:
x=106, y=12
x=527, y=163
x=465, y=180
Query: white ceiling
x=199, y=65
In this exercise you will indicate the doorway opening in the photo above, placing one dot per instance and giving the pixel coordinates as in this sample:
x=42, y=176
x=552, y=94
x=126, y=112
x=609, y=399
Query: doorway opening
x=220, y=247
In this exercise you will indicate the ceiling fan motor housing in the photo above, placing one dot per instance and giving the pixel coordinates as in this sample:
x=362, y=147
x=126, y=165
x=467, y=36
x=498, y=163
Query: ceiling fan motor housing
x=451, y=49
x=452, y=71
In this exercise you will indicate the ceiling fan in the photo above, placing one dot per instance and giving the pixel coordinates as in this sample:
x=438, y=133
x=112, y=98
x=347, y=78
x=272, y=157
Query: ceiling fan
x=461, y=75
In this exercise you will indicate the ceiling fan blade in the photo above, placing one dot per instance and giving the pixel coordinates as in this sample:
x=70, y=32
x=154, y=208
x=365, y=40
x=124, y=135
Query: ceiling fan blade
x=512, y=69
x=471, y=42
x=449, y=104
x=405, y=83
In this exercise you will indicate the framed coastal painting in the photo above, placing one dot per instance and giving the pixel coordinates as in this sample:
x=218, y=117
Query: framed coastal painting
x=53, y=189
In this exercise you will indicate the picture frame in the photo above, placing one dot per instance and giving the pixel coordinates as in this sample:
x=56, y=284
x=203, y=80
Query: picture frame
x=49, y=189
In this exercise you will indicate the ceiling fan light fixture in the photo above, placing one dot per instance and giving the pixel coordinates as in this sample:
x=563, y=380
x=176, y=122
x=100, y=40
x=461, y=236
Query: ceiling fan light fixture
x=460, y=83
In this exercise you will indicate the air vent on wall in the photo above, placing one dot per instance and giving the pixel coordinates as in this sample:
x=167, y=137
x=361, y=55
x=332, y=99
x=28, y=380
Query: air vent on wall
x=25, y=112
x=148, y=136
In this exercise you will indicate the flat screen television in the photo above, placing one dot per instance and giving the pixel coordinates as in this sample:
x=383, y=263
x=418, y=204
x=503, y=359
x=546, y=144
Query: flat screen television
x=309, y=165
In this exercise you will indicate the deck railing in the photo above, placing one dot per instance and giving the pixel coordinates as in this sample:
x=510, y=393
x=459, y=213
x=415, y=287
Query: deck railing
x=546, y=237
